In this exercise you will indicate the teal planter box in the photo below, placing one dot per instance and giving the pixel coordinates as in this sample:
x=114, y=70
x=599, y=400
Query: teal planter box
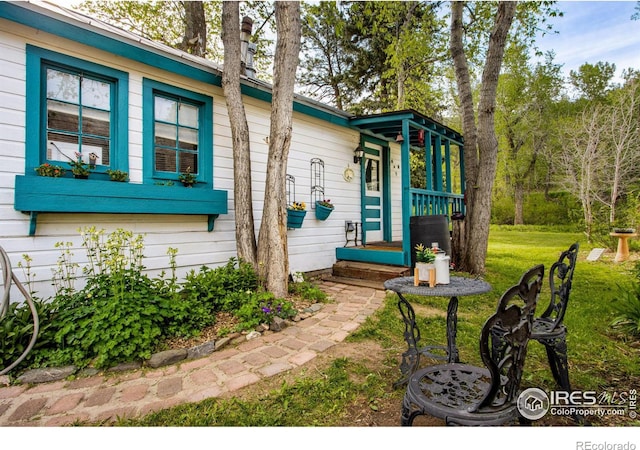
x=34, y=194
x=322, y=212
x=295, y=218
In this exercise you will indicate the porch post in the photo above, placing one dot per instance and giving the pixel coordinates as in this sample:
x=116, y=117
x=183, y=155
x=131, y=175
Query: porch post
x=406, y=194
x=428, y=149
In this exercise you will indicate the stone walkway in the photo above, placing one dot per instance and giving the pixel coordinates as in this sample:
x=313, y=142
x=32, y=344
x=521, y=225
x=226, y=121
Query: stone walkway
x=136, y=393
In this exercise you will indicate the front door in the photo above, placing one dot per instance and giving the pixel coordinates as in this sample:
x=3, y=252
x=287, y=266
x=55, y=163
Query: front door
x=373, y=189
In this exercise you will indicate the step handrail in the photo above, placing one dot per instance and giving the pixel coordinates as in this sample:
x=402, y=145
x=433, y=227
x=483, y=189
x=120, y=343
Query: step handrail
x=8, y=277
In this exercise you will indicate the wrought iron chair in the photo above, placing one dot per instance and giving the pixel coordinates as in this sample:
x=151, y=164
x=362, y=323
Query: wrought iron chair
x=549, y=329
x=464, y=394
x=411, y=358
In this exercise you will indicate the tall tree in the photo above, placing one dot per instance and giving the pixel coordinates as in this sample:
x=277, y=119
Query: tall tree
x=328, y=54
x=582, y=163
x=273, y=258
x=481, y=144
x=593, y=81
x=374, y=56
x=194, y=40
x=243, y=200
x=524, y=120
x=622, y=151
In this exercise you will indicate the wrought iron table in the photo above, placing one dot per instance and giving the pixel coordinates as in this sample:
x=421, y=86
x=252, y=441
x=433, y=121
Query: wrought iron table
x=457, y=287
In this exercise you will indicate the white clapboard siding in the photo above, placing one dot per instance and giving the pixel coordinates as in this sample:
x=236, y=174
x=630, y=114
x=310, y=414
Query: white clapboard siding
x=312, y=138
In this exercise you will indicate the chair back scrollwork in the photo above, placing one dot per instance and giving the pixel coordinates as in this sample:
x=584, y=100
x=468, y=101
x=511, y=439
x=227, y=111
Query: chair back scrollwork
x=504, y=339
x=560, y=279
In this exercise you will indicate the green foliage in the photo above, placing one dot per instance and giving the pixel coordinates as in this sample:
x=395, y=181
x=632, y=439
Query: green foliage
x=593, y=81
x=116, y=318
x=307, y=291
x=211, y=287
x=121, y=314
x=556, y=208
x=627, y=306
x=261, y=307
x=16, y=330
x=424, y=254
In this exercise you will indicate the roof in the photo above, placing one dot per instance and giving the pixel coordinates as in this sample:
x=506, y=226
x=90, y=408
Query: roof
x=65, y=22
x=388, y=125
x=59, y=20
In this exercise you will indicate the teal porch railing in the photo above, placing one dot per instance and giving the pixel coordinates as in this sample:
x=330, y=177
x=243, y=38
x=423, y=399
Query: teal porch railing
x=426, y=203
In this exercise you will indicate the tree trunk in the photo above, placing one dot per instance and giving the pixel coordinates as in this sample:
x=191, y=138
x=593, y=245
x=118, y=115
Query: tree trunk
x=481, y=144
x=195, y=34
x=518, y=218
x=272, y=241
x=243, y=203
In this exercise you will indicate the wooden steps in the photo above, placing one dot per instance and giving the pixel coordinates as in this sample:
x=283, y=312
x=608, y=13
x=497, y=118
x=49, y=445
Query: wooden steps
x=366, y=274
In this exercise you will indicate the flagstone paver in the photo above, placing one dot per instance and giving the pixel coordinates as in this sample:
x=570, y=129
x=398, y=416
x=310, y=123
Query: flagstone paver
x=138, y=392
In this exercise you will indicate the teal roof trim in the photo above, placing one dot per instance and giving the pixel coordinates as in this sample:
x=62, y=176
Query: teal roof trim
x=100, y=41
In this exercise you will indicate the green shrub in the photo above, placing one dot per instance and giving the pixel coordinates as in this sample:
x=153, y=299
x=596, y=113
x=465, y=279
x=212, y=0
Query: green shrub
x=307, y=291
x=262, y=307
x=210, y=287
x=16, y=330
x=115, y=318
x=627, y=306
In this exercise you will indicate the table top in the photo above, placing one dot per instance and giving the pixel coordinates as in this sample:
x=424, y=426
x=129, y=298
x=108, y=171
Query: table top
x=458, y=286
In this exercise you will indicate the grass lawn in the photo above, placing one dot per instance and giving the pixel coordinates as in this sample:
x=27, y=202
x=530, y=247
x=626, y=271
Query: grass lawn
x=601, y=358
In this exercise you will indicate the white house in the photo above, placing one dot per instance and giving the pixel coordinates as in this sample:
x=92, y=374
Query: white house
x=71, y=86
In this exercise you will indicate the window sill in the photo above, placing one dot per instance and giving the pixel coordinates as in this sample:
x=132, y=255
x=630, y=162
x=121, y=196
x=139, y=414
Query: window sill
x=35, y=194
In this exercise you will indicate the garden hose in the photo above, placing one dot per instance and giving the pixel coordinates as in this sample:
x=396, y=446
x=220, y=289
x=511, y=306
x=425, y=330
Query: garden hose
x=9, y=276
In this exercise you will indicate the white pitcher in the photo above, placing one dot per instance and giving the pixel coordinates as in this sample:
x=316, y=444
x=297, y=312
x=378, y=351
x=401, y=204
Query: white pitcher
x=442, y=268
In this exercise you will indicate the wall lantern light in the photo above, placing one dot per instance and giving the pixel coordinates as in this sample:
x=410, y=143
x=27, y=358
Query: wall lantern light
x=358, y=153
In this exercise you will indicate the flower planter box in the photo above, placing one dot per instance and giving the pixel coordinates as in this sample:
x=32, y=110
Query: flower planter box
x=322, y=212
x=36, y=194
x=295, y=218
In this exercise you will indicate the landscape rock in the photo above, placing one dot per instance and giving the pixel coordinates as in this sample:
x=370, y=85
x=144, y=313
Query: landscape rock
x=202, y=350
x=46, y=374
x=222, y=342
x=123, y=367
x=254, y=334
x=167, y=357
x=313, y=308
x=277, y=324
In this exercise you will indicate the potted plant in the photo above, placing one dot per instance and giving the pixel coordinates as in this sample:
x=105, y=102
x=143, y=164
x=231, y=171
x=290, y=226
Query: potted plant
x=425, y=270
x=295, y=214
x=117, y=175
x=78, y=168
x=47, y=170
x=187, y=178
x=323, y=209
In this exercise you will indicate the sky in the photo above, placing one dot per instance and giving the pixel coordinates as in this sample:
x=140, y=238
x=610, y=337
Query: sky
x=594, y=31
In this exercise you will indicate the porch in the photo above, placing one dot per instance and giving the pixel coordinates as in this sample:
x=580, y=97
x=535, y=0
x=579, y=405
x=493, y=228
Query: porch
x=411, y=166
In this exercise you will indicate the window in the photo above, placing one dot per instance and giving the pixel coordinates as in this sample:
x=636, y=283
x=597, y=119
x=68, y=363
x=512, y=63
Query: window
x=175, y=135
x=79, y=116
x=75, y=110
x=181, y=138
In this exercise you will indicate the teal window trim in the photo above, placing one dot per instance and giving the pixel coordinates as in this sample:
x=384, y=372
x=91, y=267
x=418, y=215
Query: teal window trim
x=151, y=88
x=34, y=195
x=38, y=60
